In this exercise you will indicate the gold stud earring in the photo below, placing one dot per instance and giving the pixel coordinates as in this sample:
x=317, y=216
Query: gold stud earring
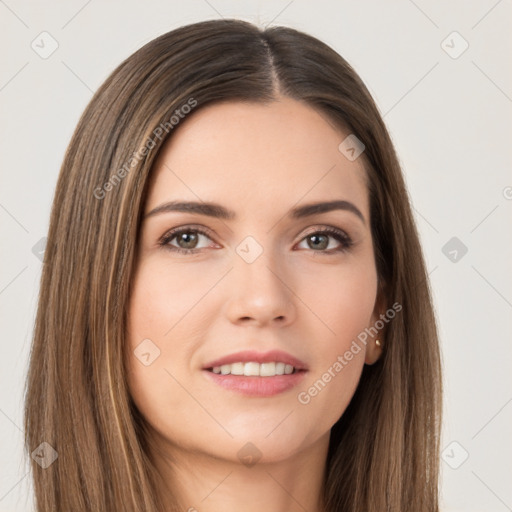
x=378, y=343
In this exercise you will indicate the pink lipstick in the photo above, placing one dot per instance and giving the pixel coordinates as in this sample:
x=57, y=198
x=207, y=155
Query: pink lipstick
x=256, y=374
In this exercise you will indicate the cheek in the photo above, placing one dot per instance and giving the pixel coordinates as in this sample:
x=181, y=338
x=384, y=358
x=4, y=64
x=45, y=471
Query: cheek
x=167, y=305
x=343, y=303
x=340, y=301
x=162, y=295
x=165, y=308
x=153, y=312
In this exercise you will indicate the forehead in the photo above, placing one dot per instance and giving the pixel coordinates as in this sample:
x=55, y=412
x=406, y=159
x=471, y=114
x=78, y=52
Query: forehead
x=255, y=157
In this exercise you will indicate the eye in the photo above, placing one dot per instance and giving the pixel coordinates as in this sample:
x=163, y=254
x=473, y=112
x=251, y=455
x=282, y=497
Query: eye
x=319, y=240
x=187, y=238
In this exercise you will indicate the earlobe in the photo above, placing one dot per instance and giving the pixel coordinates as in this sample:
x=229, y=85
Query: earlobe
x=373, y=352
x=375, y=344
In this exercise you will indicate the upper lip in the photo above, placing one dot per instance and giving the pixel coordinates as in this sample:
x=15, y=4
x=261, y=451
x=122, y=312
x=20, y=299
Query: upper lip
x=247, y=356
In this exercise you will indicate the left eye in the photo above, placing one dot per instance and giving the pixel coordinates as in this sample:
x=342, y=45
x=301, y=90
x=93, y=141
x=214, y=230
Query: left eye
x=320, y=240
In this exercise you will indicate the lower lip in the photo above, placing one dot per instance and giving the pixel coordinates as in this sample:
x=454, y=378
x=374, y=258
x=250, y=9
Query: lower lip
x=257, y=386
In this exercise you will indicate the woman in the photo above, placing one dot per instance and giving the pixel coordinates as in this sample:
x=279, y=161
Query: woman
x=234, y=309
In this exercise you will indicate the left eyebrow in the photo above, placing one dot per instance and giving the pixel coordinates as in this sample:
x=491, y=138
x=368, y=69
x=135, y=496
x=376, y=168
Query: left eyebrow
x=220, y=212
x=317, y=208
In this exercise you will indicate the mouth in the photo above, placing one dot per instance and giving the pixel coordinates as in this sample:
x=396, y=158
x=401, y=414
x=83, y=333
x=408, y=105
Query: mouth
x=254, y=374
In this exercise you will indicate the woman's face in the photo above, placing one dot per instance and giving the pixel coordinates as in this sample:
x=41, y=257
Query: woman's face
x=251, y=283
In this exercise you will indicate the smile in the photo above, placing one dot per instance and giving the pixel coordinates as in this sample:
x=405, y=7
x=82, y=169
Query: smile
x=258, y=374
x=253, y=369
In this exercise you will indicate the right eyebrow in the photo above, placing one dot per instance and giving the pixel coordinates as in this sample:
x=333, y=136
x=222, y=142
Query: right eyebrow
x=195, y=207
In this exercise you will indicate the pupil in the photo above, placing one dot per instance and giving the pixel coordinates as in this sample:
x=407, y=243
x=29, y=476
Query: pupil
x=317, y=237
x=192, y=238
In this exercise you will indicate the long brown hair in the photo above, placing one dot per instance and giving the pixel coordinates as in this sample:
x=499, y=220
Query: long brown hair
x=383, y=452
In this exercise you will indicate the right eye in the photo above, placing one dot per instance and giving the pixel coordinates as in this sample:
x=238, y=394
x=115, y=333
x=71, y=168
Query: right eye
x=187, y=236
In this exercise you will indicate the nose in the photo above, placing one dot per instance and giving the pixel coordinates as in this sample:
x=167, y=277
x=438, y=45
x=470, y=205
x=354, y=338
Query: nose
x=260, y=292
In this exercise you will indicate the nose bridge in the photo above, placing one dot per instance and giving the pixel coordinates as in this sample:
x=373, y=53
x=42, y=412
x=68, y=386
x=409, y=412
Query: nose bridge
x=260, y=283
x=262, y=272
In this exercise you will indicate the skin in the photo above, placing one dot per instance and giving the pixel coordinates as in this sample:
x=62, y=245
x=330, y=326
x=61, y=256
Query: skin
x=312, y=302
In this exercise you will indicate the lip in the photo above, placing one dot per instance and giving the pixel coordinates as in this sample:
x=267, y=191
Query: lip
x=248, y=356
x=257, y=386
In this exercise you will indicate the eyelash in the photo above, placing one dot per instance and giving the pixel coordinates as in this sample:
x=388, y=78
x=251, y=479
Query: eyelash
x=345, y=241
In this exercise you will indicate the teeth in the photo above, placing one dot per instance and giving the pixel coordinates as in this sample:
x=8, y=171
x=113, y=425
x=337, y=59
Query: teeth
x=237, y=369
x=250, y=369
x=253, y=369
x=267, y=369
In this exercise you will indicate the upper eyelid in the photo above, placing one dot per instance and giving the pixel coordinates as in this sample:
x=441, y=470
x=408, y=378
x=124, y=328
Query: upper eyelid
x=188, y=227
x=171, y=233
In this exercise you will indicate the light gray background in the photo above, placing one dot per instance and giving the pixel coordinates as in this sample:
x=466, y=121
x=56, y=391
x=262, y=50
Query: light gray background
x=449, y=118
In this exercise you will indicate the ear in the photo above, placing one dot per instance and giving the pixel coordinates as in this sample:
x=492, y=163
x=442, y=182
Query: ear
x=374, y=349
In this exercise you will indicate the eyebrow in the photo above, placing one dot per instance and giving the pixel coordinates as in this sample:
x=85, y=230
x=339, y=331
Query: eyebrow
x=220, y=212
